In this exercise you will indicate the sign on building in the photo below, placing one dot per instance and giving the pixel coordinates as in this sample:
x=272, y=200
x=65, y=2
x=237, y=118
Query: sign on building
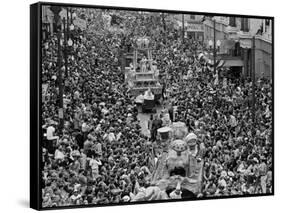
x=194, y=27
x=246, y=43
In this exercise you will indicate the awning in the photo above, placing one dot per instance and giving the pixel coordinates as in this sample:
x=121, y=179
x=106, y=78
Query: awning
x=219, y=62
x=233, y=63
x=229, y=44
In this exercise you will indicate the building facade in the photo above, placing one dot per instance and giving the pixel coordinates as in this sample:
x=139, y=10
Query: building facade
x=47, y=22
x=257, y=32
x=194, y=27
x=234, y=42
x=192, y=24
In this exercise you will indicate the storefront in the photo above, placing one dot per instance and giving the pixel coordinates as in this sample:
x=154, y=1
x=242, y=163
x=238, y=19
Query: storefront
x=234, y=68
x=263, y=58
x=194, y=31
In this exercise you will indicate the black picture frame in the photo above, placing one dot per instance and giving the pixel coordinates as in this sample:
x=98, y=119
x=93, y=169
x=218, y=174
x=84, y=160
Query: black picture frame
x=36, y=132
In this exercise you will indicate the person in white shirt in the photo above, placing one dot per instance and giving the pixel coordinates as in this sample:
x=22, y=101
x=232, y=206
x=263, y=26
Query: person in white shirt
x=263, y=174
x=52, y=139
x=232, y=121
x=76, y=197
x=59, y=155
x=148, y=95
x=85, y=128
x=94, y=164
x=76, y=95
x=50, y=133
x=111, y=137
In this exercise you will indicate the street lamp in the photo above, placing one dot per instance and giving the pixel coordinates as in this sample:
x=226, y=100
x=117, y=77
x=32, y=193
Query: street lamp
x=74, y=15
x=62, y=39
x=70, y=42
x=214, y=44
x=210, y=44
x=71, y=27
x=214, y=49
x=218, y=45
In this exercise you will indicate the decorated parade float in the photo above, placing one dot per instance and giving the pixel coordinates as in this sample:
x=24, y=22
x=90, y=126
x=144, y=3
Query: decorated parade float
x=142, y=75
x=178, y=170
x=180, y=164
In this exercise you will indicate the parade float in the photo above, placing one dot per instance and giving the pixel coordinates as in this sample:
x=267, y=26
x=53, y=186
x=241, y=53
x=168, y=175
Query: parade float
x=141, y=73
x=178, y=169
x=180, y=163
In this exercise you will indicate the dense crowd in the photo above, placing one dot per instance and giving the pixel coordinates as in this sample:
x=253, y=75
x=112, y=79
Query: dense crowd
x=237, y=151
x=101, y=156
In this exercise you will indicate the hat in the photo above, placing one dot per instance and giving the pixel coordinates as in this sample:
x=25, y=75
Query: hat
x=255, y=160
x=179, y=145
x=263, y=157
x=76, y=153
x=230, y=174
x=223, y=174
x=126, y=198
x=189, y=137
x=116, y=191
x=65, y=140
x=52, y=122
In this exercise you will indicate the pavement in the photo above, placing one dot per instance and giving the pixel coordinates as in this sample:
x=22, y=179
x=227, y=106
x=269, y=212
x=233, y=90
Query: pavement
x=143, y=118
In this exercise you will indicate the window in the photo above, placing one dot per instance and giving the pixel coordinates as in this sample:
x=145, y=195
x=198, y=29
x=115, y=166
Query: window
x=237, y=49
x=232, y=21
x=192, y=17
x=244, y=24
x=267, y=22
x=267, y=25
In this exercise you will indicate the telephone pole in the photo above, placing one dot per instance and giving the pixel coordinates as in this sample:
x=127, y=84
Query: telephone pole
x=65, y=48
x=214, y=52
x=182, y=28
x=56, y=10
x=61, y=123
x=66, y=37
x=253, y=81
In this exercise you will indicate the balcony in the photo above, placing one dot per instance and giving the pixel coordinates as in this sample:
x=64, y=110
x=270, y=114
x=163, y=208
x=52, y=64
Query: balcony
x=232, y=32
x=228, y=60
x=265, y=37
x=225, y=57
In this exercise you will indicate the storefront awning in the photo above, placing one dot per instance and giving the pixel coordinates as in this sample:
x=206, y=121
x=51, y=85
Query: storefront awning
x=233, y=63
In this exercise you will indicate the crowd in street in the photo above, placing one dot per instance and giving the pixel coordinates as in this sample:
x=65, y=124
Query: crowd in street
x=100, y=155
x=237, y=152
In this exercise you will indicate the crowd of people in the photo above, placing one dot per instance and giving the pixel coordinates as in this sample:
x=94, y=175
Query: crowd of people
x=236, y=150
x=100, y=156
